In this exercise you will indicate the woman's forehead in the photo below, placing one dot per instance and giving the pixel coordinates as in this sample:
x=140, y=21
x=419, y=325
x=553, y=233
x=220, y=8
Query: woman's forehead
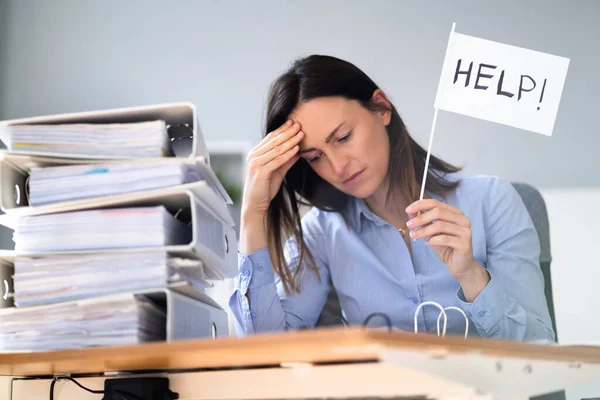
x=322, y=115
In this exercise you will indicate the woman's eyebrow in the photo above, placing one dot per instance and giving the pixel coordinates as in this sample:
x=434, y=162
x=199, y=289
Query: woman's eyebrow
x=327, y=140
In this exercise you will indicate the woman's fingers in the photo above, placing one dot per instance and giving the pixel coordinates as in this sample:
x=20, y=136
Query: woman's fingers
x=282, y=159
x=439, y=214
x=428, y=204
x=453, y=242
x=279, y=149
x=275, y=138
x=440, y=228
x=288, y=164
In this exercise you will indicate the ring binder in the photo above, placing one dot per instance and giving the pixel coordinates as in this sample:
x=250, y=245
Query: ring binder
x=213, y=238
x=15, y=170
x=7, y=261
x=173, y=114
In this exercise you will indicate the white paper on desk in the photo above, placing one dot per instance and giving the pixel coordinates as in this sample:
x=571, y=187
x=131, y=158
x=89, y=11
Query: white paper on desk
x=138, y=139
x=100, y=229
x=63, y=183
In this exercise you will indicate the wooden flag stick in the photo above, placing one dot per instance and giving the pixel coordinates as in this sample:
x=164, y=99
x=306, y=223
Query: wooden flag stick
x=435, y=114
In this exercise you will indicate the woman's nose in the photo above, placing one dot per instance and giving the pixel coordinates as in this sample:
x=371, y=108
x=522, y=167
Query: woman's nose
x=339, y=165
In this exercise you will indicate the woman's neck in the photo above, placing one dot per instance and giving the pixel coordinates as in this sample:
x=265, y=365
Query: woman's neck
x=389, y=206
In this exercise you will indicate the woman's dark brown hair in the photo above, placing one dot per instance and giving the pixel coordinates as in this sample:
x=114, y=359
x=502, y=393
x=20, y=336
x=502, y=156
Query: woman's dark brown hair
x=325, y=76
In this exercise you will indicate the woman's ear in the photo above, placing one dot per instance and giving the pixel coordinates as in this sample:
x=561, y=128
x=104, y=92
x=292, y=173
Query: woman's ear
x=385, y=110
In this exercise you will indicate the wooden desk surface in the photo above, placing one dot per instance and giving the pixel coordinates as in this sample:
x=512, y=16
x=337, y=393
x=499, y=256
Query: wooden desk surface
x=310, y=346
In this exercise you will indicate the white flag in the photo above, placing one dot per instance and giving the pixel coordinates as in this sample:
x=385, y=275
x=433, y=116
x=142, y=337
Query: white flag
x=501, y=83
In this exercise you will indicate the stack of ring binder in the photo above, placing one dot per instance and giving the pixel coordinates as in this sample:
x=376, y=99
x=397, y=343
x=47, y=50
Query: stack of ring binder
x=121, y=229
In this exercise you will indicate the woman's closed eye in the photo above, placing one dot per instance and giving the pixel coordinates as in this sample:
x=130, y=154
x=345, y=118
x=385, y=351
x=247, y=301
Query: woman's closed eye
x=313, y=158
x=316, y=156
x=345, y=138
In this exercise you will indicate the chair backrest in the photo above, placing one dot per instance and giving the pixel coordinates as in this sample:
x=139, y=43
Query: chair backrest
x=332, y=311
x=534, y=202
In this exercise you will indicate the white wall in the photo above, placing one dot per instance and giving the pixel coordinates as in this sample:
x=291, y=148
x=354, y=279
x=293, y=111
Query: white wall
x=574, y=226
x=71, y=55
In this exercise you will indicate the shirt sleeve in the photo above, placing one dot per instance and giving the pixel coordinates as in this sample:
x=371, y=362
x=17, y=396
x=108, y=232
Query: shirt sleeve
x=513, y=304
x=270, y=308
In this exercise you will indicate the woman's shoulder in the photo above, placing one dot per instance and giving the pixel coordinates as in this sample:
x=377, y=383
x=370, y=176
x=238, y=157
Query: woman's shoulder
x=317, y=231
x=483, y=192
x=317, y=221
x=481, y=186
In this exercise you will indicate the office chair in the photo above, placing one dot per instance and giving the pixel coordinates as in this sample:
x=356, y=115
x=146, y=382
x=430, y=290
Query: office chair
x=536, y=206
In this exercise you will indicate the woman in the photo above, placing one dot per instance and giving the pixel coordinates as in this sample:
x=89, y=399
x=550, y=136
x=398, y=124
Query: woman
x=338, y=144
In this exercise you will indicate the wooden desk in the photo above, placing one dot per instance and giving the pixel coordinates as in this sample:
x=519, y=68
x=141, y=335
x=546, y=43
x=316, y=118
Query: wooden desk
x=322, y=363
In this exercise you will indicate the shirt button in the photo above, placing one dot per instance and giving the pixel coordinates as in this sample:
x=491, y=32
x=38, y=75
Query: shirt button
x=245, y=272
x=415, y=300
x=259, y=267
x=469, y=314
x=481, y=313
x=253, y=315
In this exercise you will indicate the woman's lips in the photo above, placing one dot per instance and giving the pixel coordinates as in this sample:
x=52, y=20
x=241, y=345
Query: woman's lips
x=354, y=178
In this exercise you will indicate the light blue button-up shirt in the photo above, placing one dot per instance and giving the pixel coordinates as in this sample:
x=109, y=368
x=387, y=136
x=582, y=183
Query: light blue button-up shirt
x=368, y=263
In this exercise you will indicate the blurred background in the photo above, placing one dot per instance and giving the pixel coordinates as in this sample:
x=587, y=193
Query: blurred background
x=77, y=55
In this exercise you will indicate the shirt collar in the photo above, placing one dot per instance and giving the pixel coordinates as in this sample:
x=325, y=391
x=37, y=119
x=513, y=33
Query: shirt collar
x=359, y=211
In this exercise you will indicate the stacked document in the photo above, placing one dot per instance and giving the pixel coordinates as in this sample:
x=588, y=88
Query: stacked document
x=72, y=182
x=122, y=319
x=47, y=280
x=118, y=140
x=119, y=228
x=119, y=241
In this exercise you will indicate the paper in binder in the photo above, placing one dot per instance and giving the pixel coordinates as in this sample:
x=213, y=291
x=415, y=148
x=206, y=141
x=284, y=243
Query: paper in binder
x=47, y=280
x=122, y=319
x=49, y=185
x=128, y=140
x=85, y=134
x=135, y=227
x=16, y=169
x=198, y=232
x=113, y=320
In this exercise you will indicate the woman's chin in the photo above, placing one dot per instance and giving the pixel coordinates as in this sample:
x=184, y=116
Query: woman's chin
x=360, y=191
